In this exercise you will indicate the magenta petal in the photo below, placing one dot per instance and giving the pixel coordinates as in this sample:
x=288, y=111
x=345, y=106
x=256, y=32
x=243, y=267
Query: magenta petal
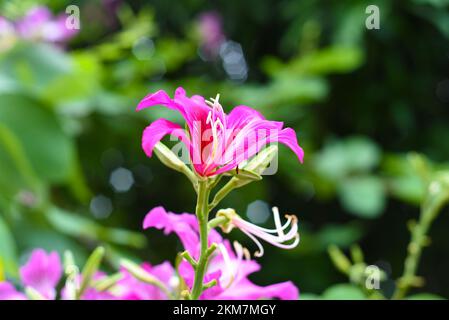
x=158, y=98
x=42, y=272
x=8, y=292
x=288, y=137
x=240, y=116
x=184, y=225
x=163, y=272
x=129, y=288
x=157, y=130
x=246, y=290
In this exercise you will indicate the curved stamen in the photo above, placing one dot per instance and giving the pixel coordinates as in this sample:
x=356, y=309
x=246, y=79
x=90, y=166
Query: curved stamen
x=242, y=224
x=274, y=239
x=277, y=222
x=259, y=253
x=290, y=218
x=277, y=237
x=242, y=251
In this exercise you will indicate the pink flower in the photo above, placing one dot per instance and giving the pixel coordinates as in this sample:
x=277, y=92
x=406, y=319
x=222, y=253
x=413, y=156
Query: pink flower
x=211, y=33
x=129, y=288
x=278, y=237
x=185, y=226
x=8, y=292
x=42, y=272
x=229, y=269
x=217, y=142
x=40, y=24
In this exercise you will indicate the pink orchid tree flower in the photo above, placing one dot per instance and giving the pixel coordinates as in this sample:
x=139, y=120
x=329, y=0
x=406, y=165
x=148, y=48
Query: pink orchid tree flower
x=229, y=269
x=217, y=142
x=40, y=24
x=42, y=272
x=9, y=292
x=210, y=28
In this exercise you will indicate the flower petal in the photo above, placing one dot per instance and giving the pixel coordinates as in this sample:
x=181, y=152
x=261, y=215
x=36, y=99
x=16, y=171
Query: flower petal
x=158, y=98
x=184, y=225
x=8, y=292
x=253, y=137
x=288, y=137
x=157, y=130
x=240, y=116
x=246, y=290
x=42, y=272
x=130, y=288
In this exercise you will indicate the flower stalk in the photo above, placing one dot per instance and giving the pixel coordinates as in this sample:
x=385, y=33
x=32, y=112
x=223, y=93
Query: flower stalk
x=437, y=196
x=202, y=213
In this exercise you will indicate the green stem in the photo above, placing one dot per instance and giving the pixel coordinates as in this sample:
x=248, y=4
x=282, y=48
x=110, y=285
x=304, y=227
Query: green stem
x=419, y=240
x=218, y=221
x=222, y=193
x=202, y=213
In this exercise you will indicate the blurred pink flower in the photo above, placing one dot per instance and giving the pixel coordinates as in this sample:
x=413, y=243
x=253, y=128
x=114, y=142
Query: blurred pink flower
x=129, y=288
x=42, y=272
x=217, y=142
x=229, y=269
x=39, y=24
x=8, y=292
x=211, y=33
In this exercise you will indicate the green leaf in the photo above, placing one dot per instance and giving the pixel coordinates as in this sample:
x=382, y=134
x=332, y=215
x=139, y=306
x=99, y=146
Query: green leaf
x=16, y=172
x=363, y=196
x=343, y=292
x=309, y=296
x=425, y=296
x=81, y=227
x=30, y=67
x=332, y=59
x=8, y=251
x=403, y=179
x=342, y=235
x=49, y=150
x=340, y=158
x=83, y=81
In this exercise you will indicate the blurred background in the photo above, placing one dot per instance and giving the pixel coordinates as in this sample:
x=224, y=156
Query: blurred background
x=363, y=102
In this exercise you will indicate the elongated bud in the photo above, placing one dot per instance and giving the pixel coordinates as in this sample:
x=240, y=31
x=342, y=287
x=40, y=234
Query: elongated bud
x=168, y=158
x=108, y=282
x=357, y=254
x=90, y=268
x=339, y=259
x=138, y=272
x=71, y=271
x=261, y=161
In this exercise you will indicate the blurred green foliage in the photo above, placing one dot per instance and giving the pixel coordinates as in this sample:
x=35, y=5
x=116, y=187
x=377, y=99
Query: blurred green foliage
x=360, y=100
